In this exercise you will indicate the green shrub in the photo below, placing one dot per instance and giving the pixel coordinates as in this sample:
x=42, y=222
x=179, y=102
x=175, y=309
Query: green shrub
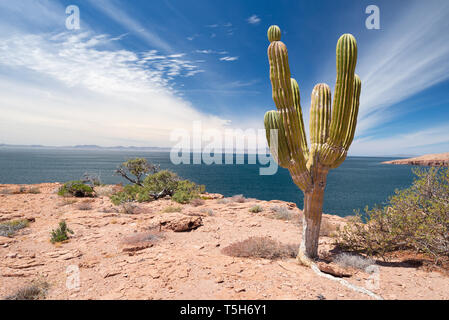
x=8, y=229
x=187, y=191
x=256, y=209
x=61, y=233
x=416, y=218
x=158, y=185
x=76, y=189
x=135, y=170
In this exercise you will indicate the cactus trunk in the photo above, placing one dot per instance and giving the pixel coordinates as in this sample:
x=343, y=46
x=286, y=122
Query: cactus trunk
x=332, y=129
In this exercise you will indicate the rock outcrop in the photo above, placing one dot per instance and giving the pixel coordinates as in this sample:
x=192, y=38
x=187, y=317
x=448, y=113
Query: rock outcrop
x=437, y=159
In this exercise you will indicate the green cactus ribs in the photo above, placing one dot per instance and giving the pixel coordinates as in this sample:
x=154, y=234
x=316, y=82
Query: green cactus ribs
x=332, y=128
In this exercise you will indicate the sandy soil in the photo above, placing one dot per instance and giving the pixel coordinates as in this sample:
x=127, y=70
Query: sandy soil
x=437, y=159
x=181, y=265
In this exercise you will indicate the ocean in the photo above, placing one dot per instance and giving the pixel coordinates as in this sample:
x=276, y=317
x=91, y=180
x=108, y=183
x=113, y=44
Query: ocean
x=358, y=182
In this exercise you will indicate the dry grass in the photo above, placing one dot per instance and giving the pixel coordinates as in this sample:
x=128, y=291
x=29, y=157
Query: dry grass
x=171, y=209
x=130, y=208
x=36, y=290
x=8, y=229
x=282, y=213
x=84, y=205
x=261, y=247
x=197, y=202
x=209, y=212
x=6, y=191
x=151, y=236
x=224, y=201
x=105, y=191
x=239, y=198
x=256, y=209
x=353, y=261
x=327, y=228
x=67, y=201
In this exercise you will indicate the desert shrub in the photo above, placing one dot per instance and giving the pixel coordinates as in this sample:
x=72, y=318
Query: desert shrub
x=282, y=213
x=135, y=170
x=261, y=247
x=256, y=209
x=187, y=191
x=327, y=228
x=197, y=202
x=8, y=229
x=130, y=208
x=224, y=201
x=209, y=212
x=158, y=185
x=416, y=218
x=6, y=191
x=104, y=190
x=76, y=189
x=353, y=260
x=36, y=290
x=171, y=209
x=84, y=205
x=61, y=233
x=239, y=198
x=34, y=190
x=91, y=179
x=143, y=237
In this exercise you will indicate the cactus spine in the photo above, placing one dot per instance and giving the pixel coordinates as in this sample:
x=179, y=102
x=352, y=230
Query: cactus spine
x=331, y=129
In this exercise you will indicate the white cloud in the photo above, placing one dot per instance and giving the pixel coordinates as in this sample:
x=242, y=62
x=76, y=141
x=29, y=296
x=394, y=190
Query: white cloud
x=227, y=58
x=63, y=89
x=254, y=19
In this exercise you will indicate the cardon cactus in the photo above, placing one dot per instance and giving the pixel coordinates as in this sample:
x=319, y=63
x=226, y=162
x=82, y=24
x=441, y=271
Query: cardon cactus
x=331, y=129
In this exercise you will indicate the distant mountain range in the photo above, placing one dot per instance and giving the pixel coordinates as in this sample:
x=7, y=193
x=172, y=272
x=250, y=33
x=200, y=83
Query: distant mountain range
x=86, y=147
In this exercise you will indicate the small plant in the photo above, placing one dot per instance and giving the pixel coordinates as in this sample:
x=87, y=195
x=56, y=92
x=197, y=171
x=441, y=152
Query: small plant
x=261, y=247
x=36, y=290
x=22, y=189
x=186, y=191
x=171, y=209
x=224, y=201
x=143, y=237
x=8, y=229
x=282, y=213
x=135, y=170
x=61, y=233
x=353, y=261
x=91, y=179
x=84, y=206
x=104, y=191
x=209, y=212
x=238, y=198
x=130, y=208
x=256, y=209
x=76, y=189
x=6, y=191
x=34, y=190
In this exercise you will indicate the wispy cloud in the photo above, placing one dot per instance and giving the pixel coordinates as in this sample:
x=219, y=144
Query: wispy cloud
x=254, y=19
x=227, y=58
x=209, y=51
x=119, y=15
x=410, y=56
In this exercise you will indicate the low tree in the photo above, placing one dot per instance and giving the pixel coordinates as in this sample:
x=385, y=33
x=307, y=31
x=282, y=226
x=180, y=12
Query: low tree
x=136, y=170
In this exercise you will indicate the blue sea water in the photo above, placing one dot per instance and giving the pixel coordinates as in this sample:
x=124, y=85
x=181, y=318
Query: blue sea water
x=358, y=182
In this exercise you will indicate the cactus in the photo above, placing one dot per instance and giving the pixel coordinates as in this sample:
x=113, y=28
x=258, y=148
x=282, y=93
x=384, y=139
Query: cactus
x=331, y=129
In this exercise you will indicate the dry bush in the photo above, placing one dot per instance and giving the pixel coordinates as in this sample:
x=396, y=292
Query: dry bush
x=224, y=201
x=130, y=208
x=353, y=261
x=84, y=205
x=34, y=190
x=261, y=247
x=36, y=290
x=109, y=210
x=6, y=191
x=282, y=213
x=151, y=236
x=256, y=209
x=8, y=229
x=239, y=198
x=209, y=212
x=105, y=191
x=171, y=209
x=197, y=202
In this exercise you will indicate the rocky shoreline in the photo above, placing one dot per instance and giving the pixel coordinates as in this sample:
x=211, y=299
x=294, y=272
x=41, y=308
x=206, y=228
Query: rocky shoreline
x=437, y=160
x=111, y=256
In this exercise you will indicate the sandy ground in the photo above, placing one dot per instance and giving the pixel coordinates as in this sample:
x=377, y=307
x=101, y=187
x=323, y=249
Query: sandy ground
x=182, y=265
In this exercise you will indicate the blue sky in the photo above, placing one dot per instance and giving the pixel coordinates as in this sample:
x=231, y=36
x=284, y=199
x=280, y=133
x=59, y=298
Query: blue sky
x=136, y=70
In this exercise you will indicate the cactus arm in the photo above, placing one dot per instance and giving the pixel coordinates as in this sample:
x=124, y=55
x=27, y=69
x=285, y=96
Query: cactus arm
x=283, y=98
x=297, y=103
x=346, y=61
x=320, y=117
x=349, y=137
x=274, y=130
